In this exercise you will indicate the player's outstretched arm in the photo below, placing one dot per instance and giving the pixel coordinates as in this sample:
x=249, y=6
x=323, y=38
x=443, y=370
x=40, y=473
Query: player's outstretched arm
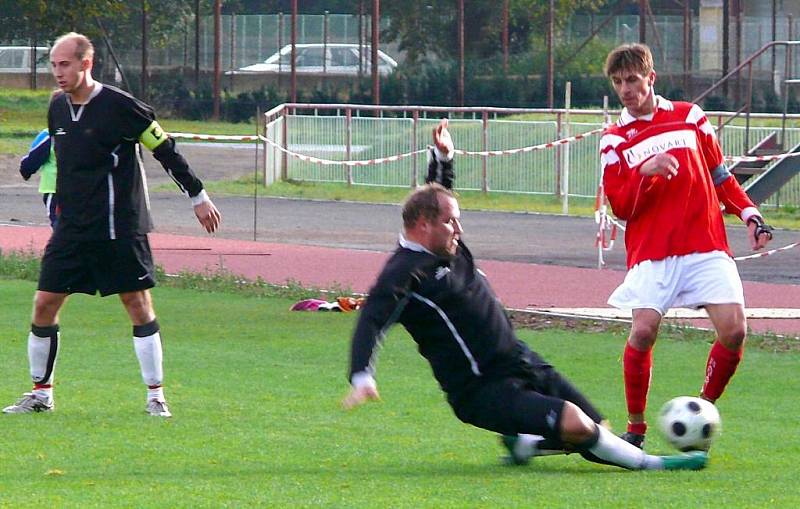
x=440, y=157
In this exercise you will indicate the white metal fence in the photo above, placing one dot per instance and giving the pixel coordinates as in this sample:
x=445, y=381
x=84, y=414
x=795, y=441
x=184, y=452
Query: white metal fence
x=343, y=132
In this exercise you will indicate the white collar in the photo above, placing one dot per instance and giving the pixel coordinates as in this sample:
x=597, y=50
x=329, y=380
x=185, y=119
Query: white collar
x=626, y=118
x=411, y=245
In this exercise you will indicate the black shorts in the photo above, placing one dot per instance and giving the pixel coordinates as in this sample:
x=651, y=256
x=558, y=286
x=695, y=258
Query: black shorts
x=525, y=395
x=107, y=266
x=510, y=406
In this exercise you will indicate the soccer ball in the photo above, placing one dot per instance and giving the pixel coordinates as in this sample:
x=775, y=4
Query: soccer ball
x=689, y=423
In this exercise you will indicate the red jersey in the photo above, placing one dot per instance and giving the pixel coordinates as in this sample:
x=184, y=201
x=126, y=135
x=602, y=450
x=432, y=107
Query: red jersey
x=676, y=216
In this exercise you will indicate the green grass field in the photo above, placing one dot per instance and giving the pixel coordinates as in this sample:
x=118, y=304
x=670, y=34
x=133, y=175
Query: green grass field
x=255, y=389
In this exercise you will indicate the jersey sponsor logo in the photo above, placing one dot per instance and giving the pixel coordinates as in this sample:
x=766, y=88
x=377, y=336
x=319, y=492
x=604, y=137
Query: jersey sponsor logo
x=60, y=131
x=631, y=133
x=658, y=144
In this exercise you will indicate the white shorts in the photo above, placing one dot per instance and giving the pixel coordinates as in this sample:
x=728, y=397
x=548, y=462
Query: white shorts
x=688, y=281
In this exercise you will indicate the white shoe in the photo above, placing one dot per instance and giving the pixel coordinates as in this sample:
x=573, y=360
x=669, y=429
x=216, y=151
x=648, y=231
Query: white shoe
x=30, y=403
x=158, y=408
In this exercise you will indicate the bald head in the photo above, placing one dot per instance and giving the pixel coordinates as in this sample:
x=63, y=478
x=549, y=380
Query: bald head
x=80, y=44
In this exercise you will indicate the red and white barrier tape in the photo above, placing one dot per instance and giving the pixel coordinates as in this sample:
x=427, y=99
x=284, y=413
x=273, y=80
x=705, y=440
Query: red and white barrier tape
x=766, y=253
x=393, y=158
x=750, y=159
x=214, y=137
x=365, y=162
x=533, y=148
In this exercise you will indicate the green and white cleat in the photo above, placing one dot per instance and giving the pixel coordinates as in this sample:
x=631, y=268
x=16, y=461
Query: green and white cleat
x=693, y=460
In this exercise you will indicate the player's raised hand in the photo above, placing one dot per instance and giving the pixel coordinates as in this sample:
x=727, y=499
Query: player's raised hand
x=760, y=233
x=663, y=164
x=442, y=139
x=208, y=215
x=360, y=395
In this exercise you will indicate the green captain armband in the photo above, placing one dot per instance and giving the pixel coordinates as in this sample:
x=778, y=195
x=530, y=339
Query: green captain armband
x=153, y=136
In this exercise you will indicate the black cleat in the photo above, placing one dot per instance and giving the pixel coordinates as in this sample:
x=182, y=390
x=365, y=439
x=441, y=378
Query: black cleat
x=633, y=439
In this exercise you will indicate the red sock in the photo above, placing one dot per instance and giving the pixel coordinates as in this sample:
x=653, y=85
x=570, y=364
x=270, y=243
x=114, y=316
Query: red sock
x=720, y=367
x=637, y=367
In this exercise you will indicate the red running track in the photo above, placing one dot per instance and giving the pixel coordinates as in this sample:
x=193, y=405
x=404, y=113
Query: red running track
x=519, y=285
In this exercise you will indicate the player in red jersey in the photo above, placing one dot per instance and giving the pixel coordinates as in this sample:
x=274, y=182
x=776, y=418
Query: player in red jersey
x=664, y=174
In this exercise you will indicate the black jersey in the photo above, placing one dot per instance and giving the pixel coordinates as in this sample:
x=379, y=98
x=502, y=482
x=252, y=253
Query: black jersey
x=451, y=312
x=101, y=182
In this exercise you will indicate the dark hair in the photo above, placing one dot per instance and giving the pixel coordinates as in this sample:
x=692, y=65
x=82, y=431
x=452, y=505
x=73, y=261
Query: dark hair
x=83, y=46
x=424, y=203
x=629, y=57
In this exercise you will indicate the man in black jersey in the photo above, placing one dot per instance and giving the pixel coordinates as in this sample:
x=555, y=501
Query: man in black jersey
x=100, y=240
x=493, y=381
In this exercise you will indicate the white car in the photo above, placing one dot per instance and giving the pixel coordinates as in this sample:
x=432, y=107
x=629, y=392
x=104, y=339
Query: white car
x=335, y=58
x=17, y=59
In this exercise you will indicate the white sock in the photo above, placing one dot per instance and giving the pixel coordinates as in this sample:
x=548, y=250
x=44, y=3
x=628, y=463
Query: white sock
x=46, y=394
x=42, y=354
x=156, y=394
x=148, y=351
x=615, y=450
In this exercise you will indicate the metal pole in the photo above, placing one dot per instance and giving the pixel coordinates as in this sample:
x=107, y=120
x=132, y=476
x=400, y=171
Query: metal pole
x=233, y=47
x=217, y=55
x=196, y=43
x=601, y=193
x=255, y=178
x=285, y=136
x=687, y=68
x=280, y=47
x=360, y=39
x=485, y=144
x=505, y=36
x=738, y=14
x=774, y=36
x=643, y=21
x=557, y=157
x=414, y=171
x=376, y=22
x=34, y=43
x=551, y=24
x=461, y=52
x=348, y=120
x=293, y=86
x=726, y=20
x=565, y=175
x=325, y=43
x=143, y=77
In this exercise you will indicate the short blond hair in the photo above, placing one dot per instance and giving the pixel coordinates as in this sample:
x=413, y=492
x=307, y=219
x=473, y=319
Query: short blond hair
x=629, y=57
x=83, y=46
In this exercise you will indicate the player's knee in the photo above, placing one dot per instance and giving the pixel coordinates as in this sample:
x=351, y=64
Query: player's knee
x=45, y=308
x=576, y=426
x=643, y=336
x=139, y=306
x=733, y=336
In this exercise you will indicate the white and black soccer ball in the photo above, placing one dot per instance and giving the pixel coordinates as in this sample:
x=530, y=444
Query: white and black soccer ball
x=690, y=423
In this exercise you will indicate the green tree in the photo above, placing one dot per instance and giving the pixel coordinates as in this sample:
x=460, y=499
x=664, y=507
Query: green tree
x=429, y=28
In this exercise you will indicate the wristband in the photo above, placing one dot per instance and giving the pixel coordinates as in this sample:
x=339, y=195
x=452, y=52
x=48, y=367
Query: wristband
x=761, y=227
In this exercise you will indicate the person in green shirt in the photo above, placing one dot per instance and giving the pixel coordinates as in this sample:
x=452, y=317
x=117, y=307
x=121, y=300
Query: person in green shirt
x=42, y=159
